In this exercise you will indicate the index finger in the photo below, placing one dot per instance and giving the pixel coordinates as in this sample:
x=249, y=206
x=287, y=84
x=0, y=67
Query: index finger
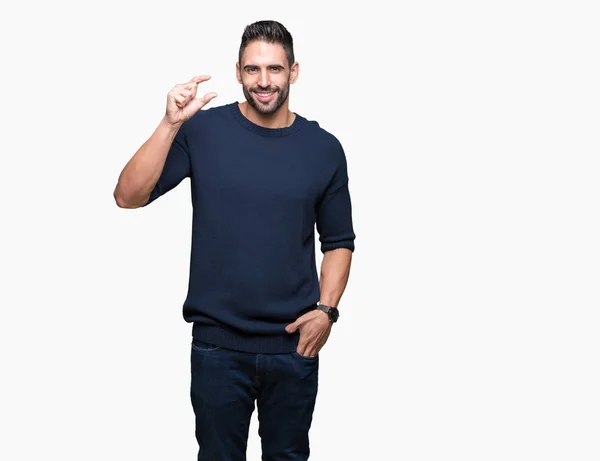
x=200, y=79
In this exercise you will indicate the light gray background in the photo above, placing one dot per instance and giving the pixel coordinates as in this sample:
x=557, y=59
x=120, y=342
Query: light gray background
x=469, y=328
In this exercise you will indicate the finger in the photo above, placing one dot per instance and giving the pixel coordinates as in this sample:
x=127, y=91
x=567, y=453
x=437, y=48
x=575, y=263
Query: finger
x=193, y=83
x=303, y=346
x=181, y=93
x=180, y=99
x=189, y=85
x=187, y=95
x=310, y=351
x=199, y=79
x=207, y=97
x=198, y=103
x=298, y=324
x=314, y=350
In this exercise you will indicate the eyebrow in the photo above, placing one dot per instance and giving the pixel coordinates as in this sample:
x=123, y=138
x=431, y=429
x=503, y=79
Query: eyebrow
x=251, y=66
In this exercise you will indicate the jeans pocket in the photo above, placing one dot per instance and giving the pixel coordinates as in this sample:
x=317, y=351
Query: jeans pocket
x=201, y=346
x=306, y=357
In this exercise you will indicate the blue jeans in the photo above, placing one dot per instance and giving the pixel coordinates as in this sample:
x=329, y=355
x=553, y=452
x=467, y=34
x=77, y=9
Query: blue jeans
x=224, y=387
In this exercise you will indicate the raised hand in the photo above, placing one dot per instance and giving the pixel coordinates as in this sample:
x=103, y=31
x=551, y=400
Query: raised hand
x=182, y=103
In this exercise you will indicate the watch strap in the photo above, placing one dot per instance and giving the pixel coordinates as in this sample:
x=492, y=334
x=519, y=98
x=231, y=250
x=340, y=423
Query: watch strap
x=327, y=309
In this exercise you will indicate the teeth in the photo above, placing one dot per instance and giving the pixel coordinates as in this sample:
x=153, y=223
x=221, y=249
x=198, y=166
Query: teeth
x=264, y=95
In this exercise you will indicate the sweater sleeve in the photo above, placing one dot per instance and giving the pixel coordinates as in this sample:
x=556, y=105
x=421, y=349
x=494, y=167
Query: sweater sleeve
x=177, y=166
x=334, y=211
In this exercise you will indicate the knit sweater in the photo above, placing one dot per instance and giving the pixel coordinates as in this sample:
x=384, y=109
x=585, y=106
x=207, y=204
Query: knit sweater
x=257, y=194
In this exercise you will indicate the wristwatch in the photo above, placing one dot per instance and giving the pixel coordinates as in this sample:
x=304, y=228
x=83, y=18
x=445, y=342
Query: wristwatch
x=332, y=312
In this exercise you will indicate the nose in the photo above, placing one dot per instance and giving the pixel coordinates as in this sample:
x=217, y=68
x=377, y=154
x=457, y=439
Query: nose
x=264, y=79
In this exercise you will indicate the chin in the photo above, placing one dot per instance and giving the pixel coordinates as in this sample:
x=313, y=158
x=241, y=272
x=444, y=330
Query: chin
x=268, y=108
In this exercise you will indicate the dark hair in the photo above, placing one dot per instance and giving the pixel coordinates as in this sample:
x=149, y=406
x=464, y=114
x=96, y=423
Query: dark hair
x=270, y=32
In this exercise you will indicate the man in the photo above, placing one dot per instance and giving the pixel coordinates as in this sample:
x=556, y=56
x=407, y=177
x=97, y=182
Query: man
x=261, y=178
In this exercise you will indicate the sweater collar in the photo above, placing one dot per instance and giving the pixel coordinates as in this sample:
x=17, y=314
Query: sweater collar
x=264, y=131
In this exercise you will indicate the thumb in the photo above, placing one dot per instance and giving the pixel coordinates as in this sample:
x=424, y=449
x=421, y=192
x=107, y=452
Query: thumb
x=292, y=327
x=198, y=103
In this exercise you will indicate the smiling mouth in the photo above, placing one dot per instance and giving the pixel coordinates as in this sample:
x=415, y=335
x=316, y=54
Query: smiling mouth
x=264, y=95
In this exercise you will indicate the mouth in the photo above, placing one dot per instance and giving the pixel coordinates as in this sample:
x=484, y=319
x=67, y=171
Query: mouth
x=264, y=96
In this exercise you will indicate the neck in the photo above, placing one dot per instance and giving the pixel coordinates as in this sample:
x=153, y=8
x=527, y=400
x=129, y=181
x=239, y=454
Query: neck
x=281, y=118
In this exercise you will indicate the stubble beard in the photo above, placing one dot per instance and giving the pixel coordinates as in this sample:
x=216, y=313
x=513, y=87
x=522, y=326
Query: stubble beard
x=281, y=94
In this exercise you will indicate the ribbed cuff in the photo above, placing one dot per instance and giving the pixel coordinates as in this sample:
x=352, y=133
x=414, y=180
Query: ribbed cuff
x=349, y=244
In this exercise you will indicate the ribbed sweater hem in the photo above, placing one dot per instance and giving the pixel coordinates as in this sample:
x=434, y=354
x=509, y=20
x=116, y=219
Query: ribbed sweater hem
x=264, y=344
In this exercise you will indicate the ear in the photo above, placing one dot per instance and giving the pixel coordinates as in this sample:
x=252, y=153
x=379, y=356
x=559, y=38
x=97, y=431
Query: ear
x=294, y=72
x=238, y=73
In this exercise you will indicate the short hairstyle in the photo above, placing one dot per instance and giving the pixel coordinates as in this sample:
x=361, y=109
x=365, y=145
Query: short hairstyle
x=270, y=32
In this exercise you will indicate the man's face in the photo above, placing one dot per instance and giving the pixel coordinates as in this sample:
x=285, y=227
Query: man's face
x=265, y=76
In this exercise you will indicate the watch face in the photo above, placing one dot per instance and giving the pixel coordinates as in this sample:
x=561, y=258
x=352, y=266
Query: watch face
x=334, y=314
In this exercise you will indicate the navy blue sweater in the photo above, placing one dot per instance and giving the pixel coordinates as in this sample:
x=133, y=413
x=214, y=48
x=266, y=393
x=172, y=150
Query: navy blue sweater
x=257, y=194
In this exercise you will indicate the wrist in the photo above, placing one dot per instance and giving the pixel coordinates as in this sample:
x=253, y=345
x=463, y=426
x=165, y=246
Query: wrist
x=331, y=311
x=170, y=126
